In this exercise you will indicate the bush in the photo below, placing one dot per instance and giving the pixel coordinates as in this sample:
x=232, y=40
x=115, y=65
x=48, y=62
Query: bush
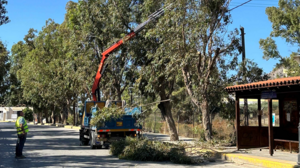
x=117, y=147
x=70, y=119
x=28, y=114
x=146, y=150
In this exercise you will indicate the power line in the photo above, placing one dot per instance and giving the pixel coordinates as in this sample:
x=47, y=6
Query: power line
x=254, y=4
x=240, y=5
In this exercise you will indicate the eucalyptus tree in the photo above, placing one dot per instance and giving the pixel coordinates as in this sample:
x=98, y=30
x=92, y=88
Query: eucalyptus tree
x=285, y=24
x=19, y=52
x=56, y=70
x=3, y=12
x=194, y=38
x=4, y=73
x=102, y=23
x=154, y=79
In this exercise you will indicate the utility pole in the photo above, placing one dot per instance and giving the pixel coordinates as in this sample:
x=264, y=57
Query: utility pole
x=243, y=54
x=244, y=76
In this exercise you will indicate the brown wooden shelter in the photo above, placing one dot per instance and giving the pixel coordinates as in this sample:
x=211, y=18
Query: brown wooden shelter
x=267, y=114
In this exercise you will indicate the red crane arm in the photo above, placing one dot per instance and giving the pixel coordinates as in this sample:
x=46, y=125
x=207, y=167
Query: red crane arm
x=111, y=49
x=105, y=54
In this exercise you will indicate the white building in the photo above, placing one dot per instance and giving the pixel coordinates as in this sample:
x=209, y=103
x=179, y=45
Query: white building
x=10, y=113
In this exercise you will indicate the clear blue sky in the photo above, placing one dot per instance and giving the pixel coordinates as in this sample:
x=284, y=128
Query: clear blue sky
x=26, y=14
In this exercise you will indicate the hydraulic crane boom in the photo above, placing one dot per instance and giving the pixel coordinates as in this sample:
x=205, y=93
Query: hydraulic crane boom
x=112, y=48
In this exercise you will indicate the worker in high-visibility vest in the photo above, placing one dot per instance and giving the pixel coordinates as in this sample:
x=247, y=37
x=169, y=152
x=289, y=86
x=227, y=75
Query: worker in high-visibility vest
x=22, y=129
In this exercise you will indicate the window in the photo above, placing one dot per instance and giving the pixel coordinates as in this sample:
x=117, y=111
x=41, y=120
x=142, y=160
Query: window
x=248, y=112
x=264, y=116
x=275, y=113
x=265, y=113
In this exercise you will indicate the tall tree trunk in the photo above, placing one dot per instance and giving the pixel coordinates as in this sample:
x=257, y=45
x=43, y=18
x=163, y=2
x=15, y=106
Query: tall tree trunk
x=63, y=114
x=165, y=108
x=40, y=117
x=68, y=108
x=233, y=137
x=206, y=119
x=59, y=119
x=119, y=95
x=74, y=112
x=52, y=115
x=46, y=116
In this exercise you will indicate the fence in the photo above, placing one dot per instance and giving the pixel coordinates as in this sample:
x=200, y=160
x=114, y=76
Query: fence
x=222, y=129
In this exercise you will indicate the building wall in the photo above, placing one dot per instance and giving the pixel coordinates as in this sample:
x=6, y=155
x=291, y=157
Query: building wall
x=278, y=73
x=6, y=112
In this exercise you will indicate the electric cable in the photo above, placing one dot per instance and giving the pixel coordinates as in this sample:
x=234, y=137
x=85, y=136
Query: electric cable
x=240, y=5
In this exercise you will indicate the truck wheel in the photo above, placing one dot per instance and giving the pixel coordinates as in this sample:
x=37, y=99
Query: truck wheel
x=92, y=143
x=84, y=143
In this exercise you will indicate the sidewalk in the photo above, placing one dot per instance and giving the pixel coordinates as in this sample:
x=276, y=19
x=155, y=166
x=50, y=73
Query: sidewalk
x=262, y=158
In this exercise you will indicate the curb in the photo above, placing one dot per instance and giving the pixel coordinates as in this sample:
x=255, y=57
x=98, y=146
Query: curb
x=258, y=161
x=72, y=127
x=59, y=125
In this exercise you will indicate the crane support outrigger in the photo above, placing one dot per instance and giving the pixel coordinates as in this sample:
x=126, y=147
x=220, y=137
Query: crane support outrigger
x=115, y=46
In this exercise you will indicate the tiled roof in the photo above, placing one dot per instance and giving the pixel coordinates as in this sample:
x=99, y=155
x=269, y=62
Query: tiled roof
x=265, y=84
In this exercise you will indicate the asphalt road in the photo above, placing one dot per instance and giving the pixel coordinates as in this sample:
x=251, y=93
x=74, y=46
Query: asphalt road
x=48, y=146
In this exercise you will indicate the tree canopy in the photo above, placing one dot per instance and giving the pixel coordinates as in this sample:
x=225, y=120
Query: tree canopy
x=3, y=13
x=285, y=24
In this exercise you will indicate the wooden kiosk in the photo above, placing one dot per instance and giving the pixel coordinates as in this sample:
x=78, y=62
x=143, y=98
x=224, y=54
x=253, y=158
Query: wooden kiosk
x=267, y=114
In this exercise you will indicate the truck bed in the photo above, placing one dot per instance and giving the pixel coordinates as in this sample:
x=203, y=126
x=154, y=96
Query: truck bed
x=126, y=123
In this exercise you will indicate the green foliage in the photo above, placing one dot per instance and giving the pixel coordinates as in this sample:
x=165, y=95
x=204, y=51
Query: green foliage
x=19, y=53
x=106, y=114
x=70, y=119
x=269, y=48
x=285, y=24
x=3, y=18
x=103, y=23
x=146, y=150
x=284, y=19
x=28, y=114
x=4, y=72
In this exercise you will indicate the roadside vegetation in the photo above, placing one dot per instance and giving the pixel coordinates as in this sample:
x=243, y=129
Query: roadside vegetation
x=146, y=150
x=28, y=114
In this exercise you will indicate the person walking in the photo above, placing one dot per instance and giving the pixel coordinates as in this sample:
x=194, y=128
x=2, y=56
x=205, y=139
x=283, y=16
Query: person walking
x=22, y=129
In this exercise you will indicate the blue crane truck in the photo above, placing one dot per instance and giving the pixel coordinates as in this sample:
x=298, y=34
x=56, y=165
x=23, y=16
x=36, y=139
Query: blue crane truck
x=115, y=129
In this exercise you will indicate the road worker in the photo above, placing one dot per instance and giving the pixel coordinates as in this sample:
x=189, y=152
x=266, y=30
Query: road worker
x=22, y=129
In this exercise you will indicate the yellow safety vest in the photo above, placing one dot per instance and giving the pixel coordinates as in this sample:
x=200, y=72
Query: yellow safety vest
x=19, y=130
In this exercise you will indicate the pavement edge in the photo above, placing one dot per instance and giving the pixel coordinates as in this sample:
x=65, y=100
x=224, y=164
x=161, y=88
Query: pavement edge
x=258, y=161
x=59, y=125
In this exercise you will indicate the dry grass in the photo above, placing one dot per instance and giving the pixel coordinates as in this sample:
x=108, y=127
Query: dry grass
x=222, y=129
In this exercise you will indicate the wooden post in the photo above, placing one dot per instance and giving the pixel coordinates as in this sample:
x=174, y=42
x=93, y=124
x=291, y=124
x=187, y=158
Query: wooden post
x=259, y=119
x=237, y=117
x=270, y=127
